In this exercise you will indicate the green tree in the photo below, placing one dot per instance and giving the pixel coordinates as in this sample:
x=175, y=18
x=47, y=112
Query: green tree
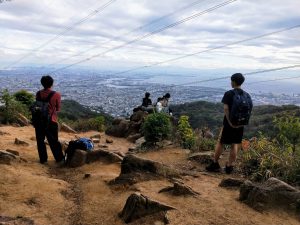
x=24, y=97
x=11, y=108
x=289, y=130
x=186, y=132
x=157, y=127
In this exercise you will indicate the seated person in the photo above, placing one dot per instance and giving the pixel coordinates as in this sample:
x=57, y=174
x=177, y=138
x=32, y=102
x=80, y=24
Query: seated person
x=147, y=103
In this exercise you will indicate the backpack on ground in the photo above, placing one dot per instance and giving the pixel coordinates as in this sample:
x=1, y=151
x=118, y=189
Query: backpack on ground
x=40, y=110
x=85, y=144
x=241, y=108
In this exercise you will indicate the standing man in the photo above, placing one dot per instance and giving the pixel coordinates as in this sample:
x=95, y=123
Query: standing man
x=49, y=128
x=237, y=109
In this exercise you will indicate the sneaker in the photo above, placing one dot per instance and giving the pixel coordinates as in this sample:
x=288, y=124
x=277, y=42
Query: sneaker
x=213, y=167
x=228, y=169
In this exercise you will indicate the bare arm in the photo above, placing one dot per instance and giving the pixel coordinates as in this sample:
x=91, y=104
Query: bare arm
x=226, y=112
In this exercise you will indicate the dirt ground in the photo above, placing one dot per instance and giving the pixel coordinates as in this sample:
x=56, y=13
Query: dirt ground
x=50, y=195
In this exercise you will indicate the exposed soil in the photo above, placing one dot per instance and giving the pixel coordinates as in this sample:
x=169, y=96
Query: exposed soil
x=50, y=195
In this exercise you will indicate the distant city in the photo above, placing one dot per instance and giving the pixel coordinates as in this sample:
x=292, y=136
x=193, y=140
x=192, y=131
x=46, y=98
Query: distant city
x=119, y=94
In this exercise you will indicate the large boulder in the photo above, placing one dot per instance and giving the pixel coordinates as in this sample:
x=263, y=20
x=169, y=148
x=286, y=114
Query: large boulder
x=100, y=154
x=270, y=194
x=138, y=206
x=78, y=159
x=135, y=169
x=138, y=116
x=119, y=128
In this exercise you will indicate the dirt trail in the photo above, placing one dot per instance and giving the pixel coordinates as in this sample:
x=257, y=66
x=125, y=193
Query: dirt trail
x=62, y=196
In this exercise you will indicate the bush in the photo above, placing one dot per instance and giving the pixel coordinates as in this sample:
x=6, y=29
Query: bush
x=24, y=97
x=11, y=108
x=156, y=127
x=265, y=159
x=204, y=144
x=186, y=134
x=97, y=123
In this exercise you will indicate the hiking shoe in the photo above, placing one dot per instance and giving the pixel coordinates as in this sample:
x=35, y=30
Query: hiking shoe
x=213, y=167
x=228, y=169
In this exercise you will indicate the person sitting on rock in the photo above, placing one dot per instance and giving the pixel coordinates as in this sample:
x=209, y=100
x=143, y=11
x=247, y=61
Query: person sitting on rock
x=165, y=104
x=147, y=103
x=159, y=105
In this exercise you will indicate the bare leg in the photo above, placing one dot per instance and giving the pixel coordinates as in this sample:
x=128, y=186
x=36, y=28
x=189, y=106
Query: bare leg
x=233, y=154
x=218, y=151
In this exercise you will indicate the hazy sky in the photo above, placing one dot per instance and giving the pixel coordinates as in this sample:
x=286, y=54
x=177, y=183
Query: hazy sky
x=26, y=25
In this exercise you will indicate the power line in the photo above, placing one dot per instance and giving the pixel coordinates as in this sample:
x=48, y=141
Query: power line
x=276, y=79
x=132, y=31
x=148, y=34
x=67, y=29
x=208, y=50
x=246, y=74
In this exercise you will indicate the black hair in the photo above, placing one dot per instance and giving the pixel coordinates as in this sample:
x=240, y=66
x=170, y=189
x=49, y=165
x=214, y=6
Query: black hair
x=238, y=78
x=47, y=81
x=167, y=95
x=147, y=95
x=159, y=99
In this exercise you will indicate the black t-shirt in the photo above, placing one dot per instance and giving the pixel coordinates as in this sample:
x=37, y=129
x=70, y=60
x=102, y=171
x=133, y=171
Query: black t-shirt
x=228, y=100
x=146, y=102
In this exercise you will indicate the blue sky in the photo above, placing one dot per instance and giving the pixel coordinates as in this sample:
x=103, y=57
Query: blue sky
x=25, y=26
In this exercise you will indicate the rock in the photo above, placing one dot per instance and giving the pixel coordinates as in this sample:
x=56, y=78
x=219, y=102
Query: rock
x=117, y=121
x=96, y=140
x=87, y=175
x=133, y=128
x=138, y=206
x=98, y=136
x=103, y=146
x=7, y=157
x=122, y=154
x=33, y=138
x=79, y=158
x=13, y=152
x=231, y=183
x=5, y=220
x=135, y=169
x=99, y=154
x=65, y=128
x=273, y=193
x=119, y=128
x=109, y=140
x=202, y=157
x=138, y=116
x=140, y=141
x=180, y=189
x=20, y=142
x=22, y=120
x=132, y=138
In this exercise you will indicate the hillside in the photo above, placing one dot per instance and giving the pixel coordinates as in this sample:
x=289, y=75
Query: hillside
x=206, y=114
x=49, y=195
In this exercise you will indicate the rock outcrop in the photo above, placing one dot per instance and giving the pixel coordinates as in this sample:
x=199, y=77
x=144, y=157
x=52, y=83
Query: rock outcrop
x=180, y=189
x=135, y=169
x=231, y=183
x=272, y=193
x=138, y=206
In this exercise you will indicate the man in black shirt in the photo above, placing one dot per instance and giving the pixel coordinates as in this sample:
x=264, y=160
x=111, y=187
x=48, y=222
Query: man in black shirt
x=231, y=134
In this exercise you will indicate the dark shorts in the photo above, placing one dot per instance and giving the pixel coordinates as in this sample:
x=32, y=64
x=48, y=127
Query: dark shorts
x=231, y=135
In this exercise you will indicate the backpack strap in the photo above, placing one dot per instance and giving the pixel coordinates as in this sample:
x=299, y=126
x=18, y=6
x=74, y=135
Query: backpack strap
x=39, y=97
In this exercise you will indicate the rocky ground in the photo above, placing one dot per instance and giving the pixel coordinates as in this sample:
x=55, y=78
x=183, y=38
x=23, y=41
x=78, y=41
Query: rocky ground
x=32, y=193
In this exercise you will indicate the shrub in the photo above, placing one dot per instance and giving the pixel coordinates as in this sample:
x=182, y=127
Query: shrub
x=11, y=108
x=156, y=127
x=24, y=97
x=186, y=134
x=97, y=123
x=204, y=144
x=265, y=159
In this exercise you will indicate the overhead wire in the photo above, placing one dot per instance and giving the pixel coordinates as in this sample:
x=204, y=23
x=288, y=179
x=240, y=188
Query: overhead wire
x=148, y=34
x=208, y=50
x=66, y=30
x=131, y=31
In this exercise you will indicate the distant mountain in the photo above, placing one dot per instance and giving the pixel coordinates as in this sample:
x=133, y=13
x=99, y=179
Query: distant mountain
x=206, y=114
x=72, y=110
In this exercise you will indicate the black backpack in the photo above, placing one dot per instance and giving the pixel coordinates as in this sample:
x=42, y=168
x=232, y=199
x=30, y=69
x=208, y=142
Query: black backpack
x=241, y=108
x=40, y=110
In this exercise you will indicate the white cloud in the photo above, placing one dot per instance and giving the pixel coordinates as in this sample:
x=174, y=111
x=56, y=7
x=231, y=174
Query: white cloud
x=28, y=25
